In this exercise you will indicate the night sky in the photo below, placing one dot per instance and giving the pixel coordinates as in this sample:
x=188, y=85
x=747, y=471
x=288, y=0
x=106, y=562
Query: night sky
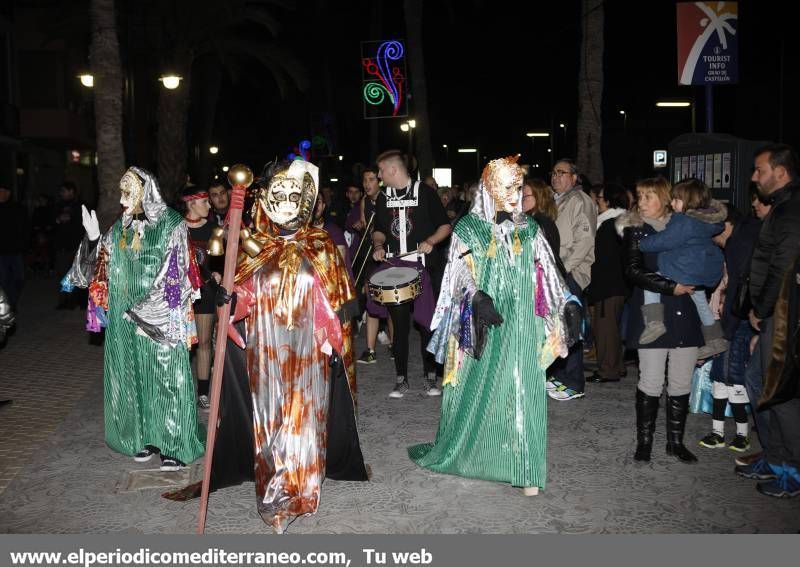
x=498, y=69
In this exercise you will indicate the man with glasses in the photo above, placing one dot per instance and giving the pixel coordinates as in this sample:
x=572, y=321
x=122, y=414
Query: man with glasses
x=576, y=223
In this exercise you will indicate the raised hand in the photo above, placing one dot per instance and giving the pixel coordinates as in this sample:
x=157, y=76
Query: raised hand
x=90, y=223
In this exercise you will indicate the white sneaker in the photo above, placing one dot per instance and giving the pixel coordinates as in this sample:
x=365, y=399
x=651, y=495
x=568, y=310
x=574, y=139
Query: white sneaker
x=565, y=394
x=430, y=387
x=383, y=338
x=400, y=388
x=551, y=385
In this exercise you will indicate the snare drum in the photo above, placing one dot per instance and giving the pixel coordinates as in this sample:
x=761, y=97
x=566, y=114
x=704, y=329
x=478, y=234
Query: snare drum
x=395, y=286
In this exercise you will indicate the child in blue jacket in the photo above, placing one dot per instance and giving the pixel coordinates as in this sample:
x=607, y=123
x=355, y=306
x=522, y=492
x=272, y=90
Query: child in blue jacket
x=686, y=254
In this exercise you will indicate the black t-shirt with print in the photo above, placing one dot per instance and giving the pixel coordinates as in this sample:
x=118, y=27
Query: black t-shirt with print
x=422, y=220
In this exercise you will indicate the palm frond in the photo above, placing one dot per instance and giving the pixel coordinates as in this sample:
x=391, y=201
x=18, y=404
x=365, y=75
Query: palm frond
x=277, y=60
x=263, y=18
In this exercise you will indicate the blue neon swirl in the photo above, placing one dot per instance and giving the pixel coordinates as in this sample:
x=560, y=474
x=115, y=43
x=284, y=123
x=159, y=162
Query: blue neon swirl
x=390, y=51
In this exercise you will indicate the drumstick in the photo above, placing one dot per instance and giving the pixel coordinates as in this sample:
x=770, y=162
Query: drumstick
x=363, y=238
x=403, y=255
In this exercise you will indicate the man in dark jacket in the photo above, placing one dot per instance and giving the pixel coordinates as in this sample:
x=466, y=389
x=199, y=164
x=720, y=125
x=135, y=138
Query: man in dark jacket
x=776, y=176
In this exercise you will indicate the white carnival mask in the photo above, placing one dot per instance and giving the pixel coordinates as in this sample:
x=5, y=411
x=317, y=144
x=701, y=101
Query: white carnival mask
x=132, y=191
x=502, y=179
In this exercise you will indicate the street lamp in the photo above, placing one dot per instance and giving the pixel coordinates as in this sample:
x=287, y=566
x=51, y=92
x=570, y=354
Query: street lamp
x=87, y=80
x=533, y=136
x=409, y=126
x=679, y=104
x=170, y=81
x=477, y=153
x=213, y=150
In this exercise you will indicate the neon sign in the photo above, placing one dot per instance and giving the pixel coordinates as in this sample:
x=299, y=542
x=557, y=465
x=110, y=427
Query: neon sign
x=384, y=79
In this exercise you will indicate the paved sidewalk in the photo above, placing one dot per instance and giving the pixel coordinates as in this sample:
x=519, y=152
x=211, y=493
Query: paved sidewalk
x=57, y=475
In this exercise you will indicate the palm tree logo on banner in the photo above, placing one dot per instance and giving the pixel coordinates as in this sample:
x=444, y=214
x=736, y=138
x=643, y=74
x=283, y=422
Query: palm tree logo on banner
x=384, y=77
x=707, y=43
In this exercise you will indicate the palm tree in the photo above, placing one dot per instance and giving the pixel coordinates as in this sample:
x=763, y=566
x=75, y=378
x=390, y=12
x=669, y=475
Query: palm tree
x=222, y=33
x=589, y=128
x=107, y=70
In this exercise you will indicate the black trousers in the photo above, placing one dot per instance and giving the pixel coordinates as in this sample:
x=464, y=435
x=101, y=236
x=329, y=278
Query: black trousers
x=783, y=425
x=401, y=319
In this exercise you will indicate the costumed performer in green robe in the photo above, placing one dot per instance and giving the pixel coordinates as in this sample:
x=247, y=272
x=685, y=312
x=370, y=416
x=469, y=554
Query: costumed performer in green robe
x=499, y=324
x=139, y=274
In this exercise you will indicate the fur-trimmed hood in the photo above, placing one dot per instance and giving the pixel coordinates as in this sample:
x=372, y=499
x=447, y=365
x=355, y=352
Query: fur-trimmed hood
x=715, y=213
x=633, y=219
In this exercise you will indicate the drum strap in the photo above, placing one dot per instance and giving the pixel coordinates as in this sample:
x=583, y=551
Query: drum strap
x=402, y=204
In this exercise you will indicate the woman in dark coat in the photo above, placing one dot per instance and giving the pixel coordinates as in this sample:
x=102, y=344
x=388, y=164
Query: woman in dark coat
x=607, y=290
x=671, y=357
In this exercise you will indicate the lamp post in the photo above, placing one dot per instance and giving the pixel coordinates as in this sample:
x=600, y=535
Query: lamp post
x=533, y=136
x=409, y=126
x=477, y=152
x=446, y=153
x=679, y=104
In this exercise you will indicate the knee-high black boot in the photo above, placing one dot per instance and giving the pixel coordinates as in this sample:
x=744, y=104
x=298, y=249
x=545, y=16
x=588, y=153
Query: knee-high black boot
x=677, y=409
x=646, y=412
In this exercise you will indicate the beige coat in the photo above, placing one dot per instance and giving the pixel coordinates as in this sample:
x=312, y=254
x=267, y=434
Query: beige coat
x=577, y=225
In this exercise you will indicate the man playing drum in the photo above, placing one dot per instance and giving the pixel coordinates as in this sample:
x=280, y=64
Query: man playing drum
x=408, y=226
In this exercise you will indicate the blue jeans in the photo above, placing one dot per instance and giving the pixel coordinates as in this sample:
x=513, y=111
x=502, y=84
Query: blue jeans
x=754, y=376
x=569, y=371
x=730, y=368
x=700, y=302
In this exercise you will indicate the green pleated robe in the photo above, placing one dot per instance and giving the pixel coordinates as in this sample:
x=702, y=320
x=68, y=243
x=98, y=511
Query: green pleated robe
x=493, y=422
x=149, y=396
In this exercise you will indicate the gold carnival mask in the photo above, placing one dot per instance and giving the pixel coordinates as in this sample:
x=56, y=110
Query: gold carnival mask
x=290, y=196
x=132, y=191
x=502, y=178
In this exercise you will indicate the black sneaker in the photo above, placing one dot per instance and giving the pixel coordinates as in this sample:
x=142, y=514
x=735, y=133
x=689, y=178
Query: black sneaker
x=740, y=444
x=713, y=441
x=145, y=454
x=400, y=388
x=171, y=464
x=368, y=357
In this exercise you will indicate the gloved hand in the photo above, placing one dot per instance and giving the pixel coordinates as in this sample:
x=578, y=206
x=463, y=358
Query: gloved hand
x=222, y=297
x=90, y=223
x=484, y=316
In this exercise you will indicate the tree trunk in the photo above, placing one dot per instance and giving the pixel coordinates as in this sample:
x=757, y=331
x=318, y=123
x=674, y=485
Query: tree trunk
x=107, y=70
x=419, y=87
x=212, y=86
x=589, y=129
x=172, y=113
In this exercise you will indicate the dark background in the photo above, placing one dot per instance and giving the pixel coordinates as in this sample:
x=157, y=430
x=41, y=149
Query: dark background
x=495, y=70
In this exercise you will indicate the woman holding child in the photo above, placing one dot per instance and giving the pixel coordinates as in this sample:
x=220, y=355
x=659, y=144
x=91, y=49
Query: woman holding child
x=671, y=356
